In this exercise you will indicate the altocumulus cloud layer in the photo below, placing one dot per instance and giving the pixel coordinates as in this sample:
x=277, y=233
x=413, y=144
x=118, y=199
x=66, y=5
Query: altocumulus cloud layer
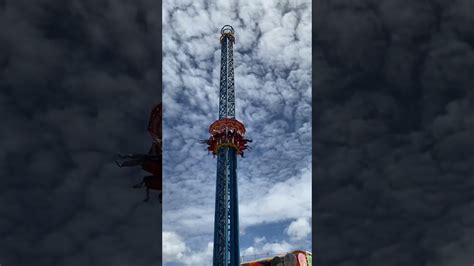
x=272, y=58
x=394, y=126
x=77, y=82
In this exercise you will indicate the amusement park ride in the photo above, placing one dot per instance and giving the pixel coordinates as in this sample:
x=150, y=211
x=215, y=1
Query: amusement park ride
x=226, y=141
x=150, y=162
x=294, y=258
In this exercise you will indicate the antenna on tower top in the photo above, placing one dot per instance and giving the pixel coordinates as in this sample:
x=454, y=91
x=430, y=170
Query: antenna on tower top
x=227, y=29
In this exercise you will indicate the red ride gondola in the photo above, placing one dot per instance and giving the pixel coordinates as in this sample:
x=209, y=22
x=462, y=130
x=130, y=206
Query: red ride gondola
x=150, y=162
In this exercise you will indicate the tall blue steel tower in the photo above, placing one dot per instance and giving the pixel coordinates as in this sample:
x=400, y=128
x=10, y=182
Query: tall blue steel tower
x=227, y=140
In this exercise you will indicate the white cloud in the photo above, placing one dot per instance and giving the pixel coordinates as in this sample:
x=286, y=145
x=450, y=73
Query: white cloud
x=175, y=250
x=203, y=257
x=258, y=240
x=299, y=229
x=277, y=247
x=267, y=202
x=173, y=247
x=261, y=248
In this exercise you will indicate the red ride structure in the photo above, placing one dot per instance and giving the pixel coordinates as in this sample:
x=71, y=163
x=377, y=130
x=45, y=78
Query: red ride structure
x=151, y=162
x=293, y=258
x=227, y=133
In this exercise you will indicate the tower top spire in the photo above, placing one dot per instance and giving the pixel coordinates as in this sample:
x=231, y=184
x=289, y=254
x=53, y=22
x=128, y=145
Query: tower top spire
x=227, y=31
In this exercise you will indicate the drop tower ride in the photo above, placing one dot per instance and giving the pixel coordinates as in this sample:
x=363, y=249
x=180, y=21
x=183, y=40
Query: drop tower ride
x=227, y=140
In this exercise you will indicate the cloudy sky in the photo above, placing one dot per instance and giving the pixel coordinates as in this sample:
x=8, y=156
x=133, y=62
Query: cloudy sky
x=78, y=80
x=272, y=57
x=394, y=127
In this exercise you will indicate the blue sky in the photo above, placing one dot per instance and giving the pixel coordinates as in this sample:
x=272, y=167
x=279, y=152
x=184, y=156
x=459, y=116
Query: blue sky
x=272, y=59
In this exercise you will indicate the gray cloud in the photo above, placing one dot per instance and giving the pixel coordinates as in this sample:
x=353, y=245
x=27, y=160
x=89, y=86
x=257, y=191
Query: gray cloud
x=78, y=81
x=393, y=115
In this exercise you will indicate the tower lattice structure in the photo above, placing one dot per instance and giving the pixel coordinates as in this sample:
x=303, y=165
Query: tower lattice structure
x=227, y=140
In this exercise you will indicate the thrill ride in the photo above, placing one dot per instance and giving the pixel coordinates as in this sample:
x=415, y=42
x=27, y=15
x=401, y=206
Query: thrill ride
x=294, y=258
x=227, y=140
x=150, y=162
